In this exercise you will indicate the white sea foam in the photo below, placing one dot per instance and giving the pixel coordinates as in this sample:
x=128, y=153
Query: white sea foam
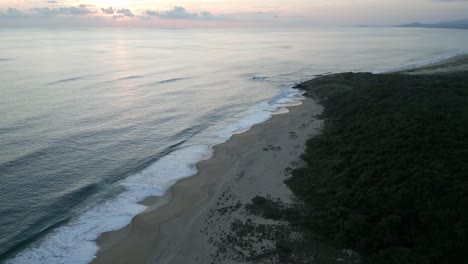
x=74, y=243
x=261, y=113
x=169, y=169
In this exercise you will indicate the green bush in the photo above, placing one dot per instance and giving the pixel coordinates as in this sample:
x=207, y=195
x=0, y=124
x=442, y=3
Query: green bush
x=388, y=176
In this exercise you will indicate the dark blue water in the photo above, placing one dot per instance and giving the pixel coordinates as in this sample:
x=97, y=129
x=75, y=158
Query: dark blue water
x=92, y=121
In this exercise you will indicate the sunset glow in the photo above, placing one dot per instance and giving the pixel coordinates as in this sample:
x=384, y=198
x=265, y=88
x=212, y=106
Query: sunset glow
x=217, y=13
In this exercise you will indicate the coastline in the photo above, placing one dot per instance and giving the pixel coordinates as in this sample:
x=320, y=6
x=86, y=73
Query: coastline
x=387, y=137
x=182, y=226
x=453, y=64
x=159, y=232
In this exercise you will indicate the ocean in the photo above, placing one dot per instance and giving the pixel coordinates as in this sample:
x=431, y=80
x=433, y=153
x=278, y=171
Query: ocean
x=93, y=121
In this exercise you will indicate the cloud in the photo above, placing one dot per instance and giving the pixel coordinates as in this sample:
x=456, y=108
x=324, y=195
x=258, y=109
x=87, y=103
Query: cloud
x=125, y=12
x=179, y=12
x=108, y=10
x=80, y=10
x=152, y=13
x=12, y=13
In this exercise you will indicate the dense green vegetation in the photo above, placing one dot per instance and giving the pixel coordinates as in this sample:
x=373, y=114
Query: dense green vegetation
x=388, y=176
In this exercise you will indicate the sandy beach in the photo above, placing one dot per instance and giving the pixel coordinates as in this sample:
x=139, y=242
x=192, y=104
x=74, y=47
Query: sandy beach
x=196, y=221
x=455, y=64
x=178, y=227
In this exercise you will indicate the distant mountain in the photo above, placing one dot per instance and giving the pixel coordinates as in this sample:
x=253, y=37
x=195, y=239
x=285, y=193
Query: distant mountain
x=459, y=24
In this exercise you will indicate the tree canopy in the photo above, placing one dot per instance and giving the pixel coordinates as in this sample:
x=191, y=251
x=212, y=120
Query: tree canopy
x=388, y=175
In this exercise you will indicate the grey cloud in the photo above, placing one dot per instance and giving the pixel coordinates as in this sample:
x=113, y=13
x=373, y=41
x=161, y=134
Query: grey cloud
x=206, y=15
x=179, y=12
x=108, y=10
x=117, y=17
x=125, y=12
x=80, y=10
x=11, y=13
x=152, y=13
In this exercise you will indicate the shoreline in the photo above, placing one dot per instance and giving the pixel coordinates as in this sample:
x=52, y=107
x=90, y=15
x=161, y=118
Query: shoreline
x=452, y=64
x=186, y=200
x=156, y=234
x=386, y=138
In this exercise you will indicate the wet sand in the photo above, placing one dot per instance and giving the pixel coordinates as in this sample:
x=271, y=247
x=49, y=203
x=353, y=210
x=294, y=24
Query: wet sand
x=174, y=227
x=191, y=222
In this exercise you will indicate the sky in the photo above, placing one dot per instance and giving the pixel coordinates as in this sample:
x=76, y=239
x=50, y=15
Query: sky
x=227, y=13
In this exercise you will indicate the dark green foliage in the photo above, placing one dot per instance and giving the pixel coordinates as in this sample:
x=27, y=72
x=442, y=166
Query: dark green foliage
x=274, y=209
x=388, y=176
x=267, y=207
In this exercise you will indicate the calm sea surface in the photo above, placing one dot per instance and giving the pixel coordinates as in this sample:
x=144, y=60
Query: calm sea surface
x=92, y=121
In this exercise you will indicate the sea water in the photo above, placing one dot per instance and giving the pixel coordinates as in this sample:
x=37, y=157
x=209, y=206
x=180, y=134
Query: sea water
x=93, y=121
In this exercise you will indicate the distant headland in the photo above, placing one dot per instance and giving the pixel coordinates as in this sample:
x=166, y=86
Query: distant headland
x=455, y=24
